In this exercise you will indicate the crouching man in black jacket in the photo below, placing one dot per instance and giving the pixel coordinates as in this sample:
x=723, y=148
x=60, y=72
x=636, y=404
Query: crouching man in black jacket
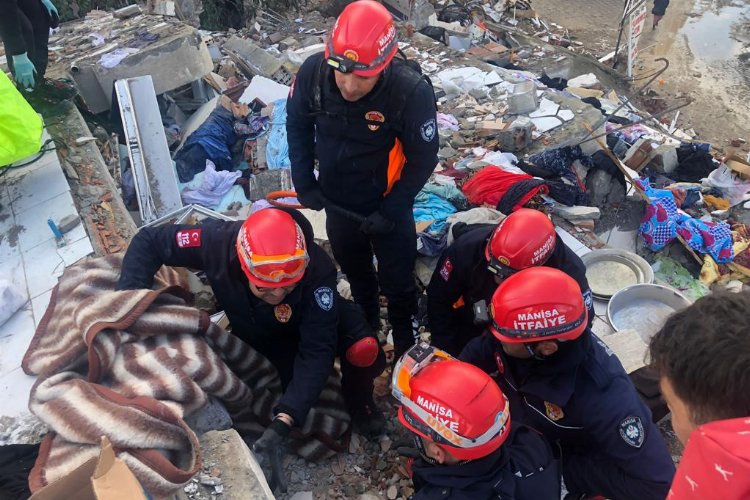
x=462, y=428
x=278, y=289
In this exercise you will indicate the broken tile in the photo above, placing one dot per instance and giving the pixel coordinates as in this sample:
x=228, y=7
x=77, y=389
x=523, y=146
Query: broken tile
x=43, y=265
x=15, y=336
x=34, y=220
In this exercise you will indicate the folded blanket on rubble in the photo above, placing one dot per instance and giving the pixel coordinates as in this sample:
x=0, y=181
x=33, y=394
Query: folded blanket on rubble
x=131, y=364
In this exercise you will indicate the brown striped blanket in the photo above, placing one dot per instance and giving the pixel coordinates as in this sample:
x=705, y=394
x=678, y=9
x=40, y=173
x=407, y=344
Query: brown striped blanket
x=131, y=364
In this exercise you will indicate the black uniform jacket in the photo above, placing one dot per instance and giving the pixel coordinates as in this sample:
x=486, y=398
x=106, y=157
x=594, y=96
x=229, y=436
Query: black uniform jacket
x=523, y=468
x=298, y=336
x=461, y=278
x=362, y=166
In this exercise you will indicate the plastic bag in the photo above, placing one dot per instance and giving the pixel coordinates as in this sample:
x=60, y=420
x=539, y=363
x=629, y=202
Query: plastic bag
x=11, y=298
x=20, y=125
x=733, y=188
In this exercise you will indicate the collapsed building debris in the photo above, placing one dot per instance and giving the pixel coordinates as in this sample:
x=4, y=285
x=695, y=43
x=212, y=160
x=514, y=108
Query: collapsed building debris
x=524, y=120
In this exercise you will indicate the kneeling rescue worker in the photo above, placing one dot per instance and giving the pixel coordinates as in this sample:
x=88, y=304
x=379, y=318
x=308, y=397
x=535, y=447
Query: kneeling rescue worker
x=369, y=119
x=461, y=425
x=278, y=289
x=470, y=269
x=566, y=383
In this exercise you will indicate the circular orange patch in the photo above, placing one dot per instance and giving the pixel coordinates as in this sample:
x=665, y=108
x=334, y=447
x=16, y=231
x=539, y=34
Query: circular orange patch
x=504, y=261
x=351, y=55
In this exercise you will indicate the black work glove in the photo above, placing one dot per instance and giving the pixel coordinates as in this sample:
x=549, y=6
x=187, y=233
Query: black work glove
x=312, y=199
x=406, y=447
x=271, y=447
x=375, y=223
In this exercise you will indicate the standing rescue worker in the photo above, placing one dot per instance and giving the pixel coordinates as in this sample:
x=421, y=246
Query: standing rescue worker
x=566, y=383
x=461, y=424
x=470, y=269
x=369, y=120
x=24, y=28
x=278, y=289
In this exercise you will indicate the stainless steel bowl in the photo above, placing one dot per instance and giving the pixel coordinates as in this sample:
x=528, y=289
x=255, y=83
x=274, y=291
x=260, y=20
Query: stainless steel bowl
x=610, y=270
x=644, y=308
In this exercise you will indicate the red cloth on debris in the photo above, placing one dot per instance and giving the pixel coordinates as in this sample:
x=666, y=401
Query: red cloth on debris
x=492, y=182
x=716, y=462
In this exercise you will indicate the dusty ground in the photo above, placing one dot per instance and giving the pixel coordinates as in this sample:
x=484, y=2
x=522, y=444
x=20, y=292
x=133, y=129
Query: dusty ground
x=702, y=39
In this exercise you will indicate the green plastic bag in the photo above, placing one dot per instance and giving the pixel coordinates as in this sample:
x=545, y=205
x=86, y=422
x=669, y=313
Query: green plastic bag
x=20, y=125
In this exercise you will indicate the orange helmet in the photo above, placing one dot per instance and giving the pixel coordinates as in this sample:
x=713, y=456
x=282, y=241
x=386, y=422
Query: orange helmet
x=451, y=403
x=272, y=249
x=363, y=41
x=539, y=303
x=523, y=239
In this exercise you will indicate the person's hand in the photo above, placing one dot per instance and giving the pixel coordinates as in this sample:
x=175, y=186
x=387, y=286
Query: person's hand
x=375, y=223
x=24, y=70
x=51, y=9
x=271, y=446
x=312, y=199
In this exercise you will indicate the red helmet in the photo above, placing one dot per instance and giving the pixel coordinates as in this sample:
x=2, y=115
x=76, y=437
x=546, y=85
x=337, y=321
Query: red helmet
x=272, y=249
x=451, y=403
x=363, y=40
x=523, y=239
x=539, y=303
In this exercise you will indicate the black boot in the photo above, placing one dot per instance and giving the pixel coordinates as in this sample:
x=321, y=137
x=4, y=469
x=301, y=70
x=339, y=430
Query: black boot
x=368, y=420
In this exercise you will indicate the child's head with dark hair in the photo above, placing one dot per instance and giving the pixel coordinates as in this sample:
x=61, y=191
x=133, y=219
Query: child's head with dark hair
x=702, y=355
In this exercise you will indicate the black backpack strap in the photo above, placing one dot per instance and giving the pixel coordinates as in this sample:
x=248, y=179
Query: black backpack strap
x=316, y=100
x=403, y=88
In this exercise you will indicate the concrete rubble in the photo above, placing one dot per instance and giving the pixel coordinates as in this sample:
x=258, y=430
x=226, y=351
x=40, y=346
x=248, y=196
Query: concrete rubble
x=510, y=87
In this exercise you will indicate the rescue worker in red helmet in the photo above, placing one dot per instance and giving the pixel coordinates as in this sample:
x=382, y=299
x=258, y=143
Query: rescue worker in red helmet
x=461, y=425
x=278, y=289
x=566, y=383
x=369, y=119
x=480, y=258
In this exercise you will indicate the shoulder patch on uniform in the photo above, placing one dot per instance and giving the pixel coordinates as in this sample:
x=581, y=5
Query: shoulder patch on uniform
x=446, y=269
x=588, y=300
x=188, y=238
x=631, y=431
x=324, y=298
x=428, y=130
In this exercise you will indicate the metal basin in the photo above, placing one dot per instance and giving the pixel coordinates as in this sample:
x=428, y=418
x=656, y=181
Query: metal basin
x=610, y=270
x=644, y=308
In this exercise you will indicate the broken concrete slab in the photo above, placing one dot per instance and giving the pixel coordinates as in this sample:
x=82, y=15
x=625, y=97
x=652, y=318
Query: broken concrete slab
x=226, y=454
x=664, y=159
x=587, y=81
x=254, y=60
x=212, y=417
x=576, y=212
x=178, y=57
x=278, y=179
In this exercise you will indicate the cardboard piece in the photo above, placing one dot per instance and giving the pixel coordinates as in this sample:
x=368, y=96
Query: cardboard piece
x=739, y=165
x=103, y=478
x=422, y=225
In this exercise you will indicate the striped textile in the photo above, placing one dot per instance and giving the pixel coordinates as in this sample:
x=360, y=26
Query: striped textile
x=131, y=364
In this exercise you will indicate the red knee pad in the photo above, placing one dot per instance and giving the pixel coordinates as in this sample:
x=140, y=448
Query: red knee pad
x=363, y=352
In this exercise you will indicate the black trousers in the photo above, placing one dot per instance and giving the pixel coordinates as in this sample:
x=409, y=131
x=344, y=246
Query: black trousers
x=35, y=24
x=395, y=253
x=356, y=382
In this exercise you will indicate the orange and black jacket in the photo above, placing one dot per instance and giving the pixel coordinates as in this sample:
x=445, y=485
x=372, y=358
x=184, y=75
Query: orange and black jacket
x=367, y=160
